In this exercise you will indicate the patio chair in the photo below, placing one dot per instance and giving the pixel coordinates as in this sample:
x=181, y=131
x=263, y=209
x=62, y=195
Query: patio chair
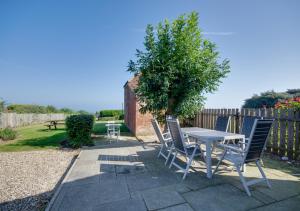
x=165, y=140
x=182, y=146
x=247, y=125
x=113, y=130
x=252, y=152
x=222, y=123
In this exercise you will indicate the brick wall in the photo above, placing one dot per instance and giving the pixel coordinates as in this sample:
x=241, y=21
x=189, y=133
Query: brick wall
x=139, y=124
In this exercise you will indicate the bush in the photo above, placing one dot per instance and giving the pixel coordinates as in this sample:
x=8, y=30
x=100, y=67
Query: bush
x=79, y=129
x=110, y=113
x=8, y=134
x=121, y=117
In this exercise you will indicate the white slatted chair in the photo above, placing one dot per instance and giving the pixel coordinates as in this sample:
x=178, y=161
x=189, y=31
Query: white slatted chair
x=251, y=152
x=166, y=144
x=181, y=146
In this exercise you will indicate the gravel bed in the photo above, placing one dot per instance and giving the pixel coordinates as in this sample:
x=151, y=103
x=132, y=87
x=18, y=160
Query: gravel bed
x=28, y=179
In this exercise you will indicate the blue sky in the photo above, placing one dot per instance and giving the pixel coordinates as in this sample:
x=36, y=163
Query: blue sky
x=75, y=53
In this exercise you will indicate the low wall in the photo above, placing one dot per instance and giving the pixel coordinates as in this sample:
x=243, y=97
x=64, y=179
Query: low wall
x=17, y=120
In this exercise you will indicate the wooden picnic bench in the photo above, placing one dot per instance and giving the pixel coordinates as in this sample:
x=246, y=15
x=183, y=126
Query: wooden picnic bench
x=54, y=123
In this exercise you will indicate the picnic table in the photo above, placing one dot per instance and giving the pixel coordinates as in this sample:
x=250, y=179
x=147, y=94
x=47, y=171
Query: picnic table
x=54, y=123
x=210, y=138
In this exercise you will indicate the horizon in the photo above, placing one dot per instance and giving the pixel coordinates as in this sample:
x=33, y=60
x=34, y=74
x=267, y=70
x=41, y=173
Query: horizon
x=75, y=54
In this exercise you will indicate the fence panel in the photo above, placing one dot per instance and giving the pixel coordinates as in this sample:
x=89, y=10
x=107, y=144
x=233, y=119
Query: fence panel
x=17, y=120
x=284, y=139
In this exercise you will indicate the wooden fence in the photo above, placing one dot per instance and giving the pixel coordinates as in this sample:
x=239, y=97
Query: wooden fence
x=284, y=139
x=17, y=120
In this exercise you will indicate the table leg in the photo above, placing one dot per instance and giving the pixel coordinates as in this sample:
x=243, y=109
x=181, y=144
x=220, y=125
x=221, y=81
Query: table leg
x=208, y=160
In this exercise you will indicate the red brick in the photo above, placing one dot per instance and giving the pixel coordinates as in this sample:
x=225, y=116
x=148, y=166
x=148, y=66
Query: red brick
x=139, y=124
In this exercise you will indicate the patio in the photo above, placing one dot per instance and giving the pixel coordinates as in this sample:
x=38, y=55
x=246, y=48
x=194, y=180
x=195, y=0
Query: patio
x=127, y=175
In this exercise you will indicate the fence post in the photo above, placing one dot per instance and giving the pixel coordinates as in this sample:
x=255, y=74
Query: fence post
x=237, y=121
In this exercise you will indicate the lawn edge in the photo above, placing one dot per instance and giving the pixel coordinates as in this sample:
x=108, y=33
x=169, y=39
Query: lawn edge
x=57, y=191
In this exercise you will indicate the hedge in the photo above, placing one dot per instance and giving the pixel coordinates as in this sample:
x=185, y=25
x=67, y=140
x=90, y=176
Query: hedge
x=110, y=113
x=79, y=129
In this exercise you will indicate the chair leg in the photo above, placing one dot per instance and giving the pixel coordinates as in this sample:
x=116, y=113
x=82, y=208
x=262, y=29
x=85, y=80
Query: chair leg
x=175, y=154
x=221, y=159
x=238, y=168
x=189, y=162
x=161, y=148
x=262, y=173
x=169, y=154
x=186, y=171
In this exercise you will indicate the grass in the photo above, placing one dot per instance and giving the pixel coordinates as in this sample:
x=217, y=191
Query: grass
x=38, y=137
x=34, y=137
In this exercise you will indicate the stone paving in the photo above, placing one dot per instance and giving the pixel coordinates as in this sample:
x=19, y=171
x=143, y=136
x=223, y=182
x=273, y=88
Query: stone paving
x=127, y=175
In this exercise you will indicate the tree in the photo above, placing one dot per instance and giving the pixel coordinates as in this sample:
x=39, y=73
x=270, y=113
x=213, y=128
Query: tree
x=51, y=109
x=269, y=99
x=83, y=112
x=2, y=105
x=66, y=110
x=177, y=68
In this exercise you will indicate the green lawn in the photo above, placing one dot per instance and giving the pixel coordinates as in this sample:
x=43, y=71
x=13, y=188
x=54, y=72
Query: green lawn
x=34, y=137
x=37, y=137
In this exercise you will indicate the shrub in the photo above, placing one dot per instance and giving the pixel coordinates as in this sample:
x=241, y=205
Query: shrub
x=8, y=134
x=110, y=113
x=121, y=117
x=79, y=129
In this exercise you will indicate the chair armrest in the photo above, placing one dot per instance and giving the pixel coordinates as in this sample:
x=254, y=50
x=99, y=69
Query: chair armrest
x=168, y=139
x=229, y=147
x=191, y=145
x=166, y=135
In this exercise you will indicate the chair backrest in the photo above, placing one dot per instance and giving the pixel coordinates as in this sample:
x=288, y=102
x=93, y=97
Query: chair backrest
x=258, y=139
x=176, y=134
x=222, y=123
x=158, y=131
x=247, y=125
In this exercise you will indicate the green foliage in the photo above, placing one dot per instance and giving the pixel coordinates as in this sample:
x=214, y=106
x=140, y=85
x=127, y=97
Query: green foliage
x=177, y=68
x=79, y=129
x=26, y=108
x=66, y=110
x=110, y=113
x=121, y=117
x=83, y=112
x=8, y=134
x=37, y=109
x=51, y=109
x=269, y=99
x=2, y=105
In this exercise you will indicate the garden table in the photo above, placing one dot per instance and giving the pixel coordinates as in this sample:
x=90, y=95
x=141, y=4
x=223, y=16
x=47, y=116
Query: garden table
x=210, y=138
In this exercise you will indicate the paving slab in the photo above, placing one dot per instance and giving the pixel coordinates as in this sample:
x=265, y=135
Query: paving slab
x=180, y=207
x=124, y=205
x=220, y=197
x=291, y=204
x=160, y=198
x=127, y=175
x=91, y=195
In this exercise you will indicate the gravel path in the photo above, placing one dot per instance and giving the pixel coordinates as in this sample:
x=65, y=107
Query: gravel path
x=27, y=179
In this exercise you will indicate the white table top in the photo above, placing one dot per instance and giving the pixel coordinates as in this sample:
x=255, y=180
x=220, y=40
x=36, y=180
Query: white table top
x=210, y=135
